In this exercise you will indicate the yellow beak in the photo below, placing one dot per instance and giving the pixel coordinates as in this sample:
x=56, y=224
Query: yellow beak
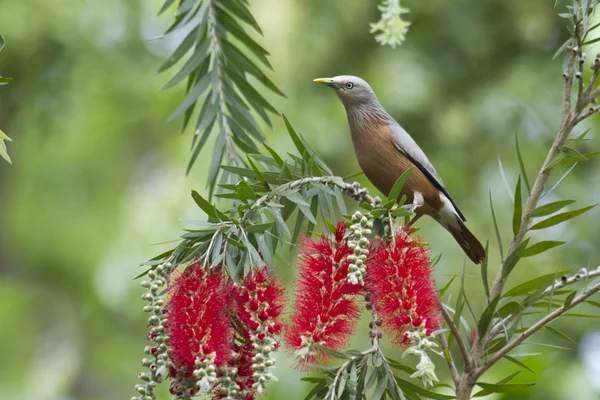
x=328, y=82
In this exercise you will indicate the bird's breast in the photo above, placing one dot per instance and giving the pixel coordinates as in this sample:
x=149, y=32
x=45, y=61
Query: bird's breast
x=383, y=164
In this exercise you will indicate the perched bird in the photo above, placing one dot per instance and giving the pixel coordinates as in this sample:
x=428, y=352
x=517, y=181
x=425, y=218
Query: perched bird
x=384, y=151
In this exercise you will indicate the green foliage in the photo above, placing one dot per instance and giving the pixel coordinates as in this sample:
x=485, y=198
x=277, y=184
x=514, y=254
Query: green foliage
x=3, y=136
x=246, y=233
x=222, y=64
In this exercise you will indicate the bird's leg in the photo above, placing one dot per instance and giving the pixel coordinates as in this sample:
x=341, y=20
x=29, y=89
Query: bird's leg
x=415, y=219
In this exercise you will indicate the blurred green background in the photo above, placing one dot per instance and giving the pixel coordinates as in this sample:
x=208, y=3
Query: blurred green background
x=98, y=175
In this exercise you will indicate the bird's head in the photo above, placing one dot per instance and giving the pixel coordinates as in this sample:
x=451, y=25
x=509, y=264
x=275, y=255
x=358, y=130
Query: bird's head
x=352, y=90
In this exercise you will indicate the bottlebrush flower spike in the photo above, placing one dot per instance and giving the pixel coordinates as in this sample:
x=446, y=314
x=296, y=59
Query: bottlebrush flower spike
x=403, y=290
x=259, y=303
x=199, y=327
x=325, y=310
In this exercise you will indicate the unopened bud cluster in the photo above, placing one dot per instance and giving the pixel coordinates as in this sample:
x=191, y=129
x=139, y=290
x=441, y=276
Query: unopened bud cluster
x=229, y=389
x=419, y=344
x=359, y=244
x=205, y=371
x=158, y=365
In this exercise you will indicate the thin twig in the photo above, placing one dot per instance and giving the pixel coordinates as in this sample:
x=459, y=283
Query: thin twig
x=448, y=358
x=536, y=327
x=459, y=341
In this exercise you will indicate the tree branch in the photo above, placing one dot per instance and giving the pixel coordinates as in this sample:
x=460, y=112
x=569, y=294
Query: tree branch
x=459, y=341
x=559, y=284
x=353, y=190
x=536, y=327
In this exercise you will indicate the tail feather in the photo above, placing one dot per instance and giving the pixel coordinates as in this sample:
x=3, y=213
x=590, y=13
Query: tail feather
x=467, y=241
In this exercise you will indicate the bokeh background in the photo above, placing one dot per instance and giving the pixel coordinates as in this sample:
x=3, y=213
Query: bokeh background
x=98, y=178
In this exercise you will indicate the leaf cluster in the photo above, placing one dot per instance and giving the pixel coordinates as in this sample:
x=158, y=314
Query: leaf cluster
x=367, y=375
x=222, y=66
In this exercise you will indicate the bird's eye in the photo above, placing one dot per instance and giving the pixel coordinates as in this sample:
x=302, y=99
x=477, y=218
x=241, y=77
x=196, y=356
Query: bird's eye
x=349, y=85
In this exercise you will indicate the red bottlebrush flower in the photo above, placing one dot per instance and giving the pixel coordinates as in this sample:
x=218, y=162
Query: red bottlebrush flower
x=259, y=304
x=198, y=319
x=325, y=311
x=403, y=290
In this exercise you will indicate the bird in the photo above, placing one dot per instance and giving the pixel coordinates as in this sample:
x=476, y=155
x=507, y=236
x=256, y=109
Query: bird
x=384, y=151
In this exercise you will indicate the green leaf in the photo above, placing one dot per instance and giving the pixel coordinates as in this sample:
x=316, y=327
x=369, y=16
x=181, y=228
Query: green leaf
x=484, y=270
x=236, y=243
x=333, y=353
x=519, y=363
x=443, y=291
x=192, y=96
x=423, y=392
x=593, y=303
x=562, y=217
x=1, y=42
x=399, y=184
x=503, y=388
x=569, y=161
x=558, y=333
x=258, y=228
x=486, y=316
x=569, y=299
x=518, y=210
x=496, y=226
x=550, y=208
x=199, y=55
x=180, y=51
x=572, y=153
x=507, y=379
x=513, y=258
x=295, y=138
x=3, y=152
x=244, y=191
x=510, y=308
x=562, y=48
x=240, y=11
x=204, y=204
x=521, y=164
x=541, y=247
x=246, y=172
x=539, y=283
x=380, y=388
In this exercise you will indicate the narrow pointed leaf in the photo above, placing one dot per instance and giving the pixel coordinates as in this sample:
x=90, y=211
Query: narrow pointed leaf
x=204, y=204
x=518, y=209
x=192, y=96
x=399, y=184
x=519, y=363
x=541, y=247
x=569, y=299
x=484, y=270
x=521, y=164
x=486, y=316
x=513, y=258
x=558, y=333
x=562, y=217
x=496, y=226
x=536, y=284
x=551, y=208
x=405, y=385
x=503, y=388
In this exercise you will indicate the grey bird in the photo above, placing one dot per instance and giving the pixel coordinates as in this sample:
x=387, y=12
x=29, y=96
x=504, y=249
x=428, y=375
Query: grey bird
x=384, y=151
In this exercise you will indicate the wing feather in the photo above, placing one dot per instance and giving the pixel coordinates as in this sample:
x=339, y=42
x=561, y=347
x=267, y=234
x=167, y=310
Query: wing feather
x=407, y=146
